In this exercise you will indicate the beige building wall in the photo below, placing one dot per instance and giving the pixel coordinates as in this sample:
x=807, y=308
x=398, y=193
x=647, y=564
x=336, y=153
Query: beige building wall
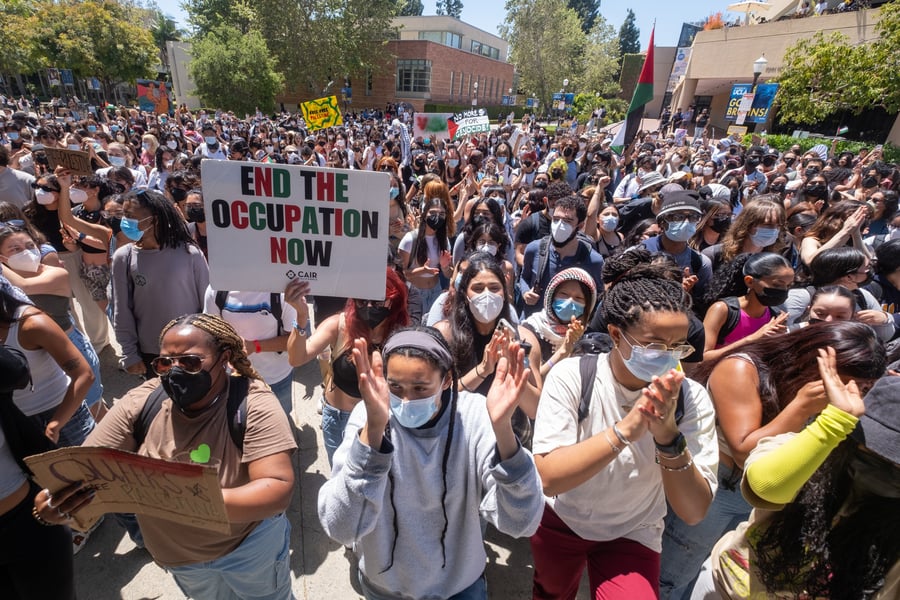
x=182, y=83
x=411, y=26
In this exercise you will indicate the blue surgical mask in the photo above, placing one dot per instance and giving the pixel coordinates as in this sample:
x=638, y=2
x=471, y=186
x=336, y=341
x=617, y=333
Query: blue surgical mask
x=394, y=192
x=765, y=236
x=609, y=223
x=117, y=161
x=566, y=308
x=647, y=364
x=501, y=160
x=13, y=136
x=453, y=162
x=210, y=140
x=91, y=128
x=131, y=228
x=680, y=231
x=114, y=128
x=426, y=141
x=413, y=413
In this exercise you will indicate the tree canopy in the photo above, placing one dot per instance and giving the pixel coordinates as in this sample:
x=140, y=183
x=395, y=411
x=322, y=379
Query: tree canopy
x=451, y=8
x=629, y=35
x=588, y=11
x=410, y=8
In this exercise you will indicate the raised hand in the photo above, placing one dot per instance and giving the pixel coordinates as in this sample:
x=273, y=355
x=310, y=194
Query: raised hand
x=845, y=396
x=658, y=403
x=374, y=391
x=503, y=397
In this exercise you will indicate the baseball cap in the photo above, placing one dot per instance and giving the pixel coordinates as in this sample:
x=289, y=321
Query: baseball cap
x=679, y=201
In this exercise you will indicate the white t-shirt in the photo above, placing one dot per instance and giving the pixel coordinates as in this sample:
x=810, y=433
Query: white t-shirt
x=434, y=255
x=625, y=499
x=251, y=316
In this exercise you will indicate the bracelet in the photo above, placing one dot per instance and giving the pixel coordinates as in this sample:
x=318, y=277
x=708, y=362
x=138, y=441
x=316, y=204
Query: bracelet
x=549, y=363
x=620, y=435
x=300, y=330
x=81, y=236
x=39, y=519
x=477, y=374
x=680, y=469
x=615, y=448
x=662, y=456
x=256, y=347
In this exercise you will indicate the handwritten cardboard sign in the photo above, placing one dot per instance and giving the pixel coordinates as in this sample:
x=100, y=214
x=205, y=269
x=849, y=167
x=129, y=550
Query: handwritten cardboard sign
x=128, y=483
x=76, y=161
x=469, y=122
x=267, y=224
x=322, y=113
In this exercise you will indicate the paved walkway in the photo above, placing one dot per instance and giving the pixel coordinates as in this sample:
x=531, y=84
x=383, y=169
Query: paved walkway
x=110, y=567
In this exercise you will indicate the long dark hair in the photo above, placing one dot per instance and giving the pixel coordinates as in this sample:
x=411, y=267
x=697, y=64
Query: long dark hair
x=729, y=279
x=785, y=363
x=803, y=550
x=462, y=323
x=419, y=252
x=9, y=304
x=480, y=226
x=448, y=394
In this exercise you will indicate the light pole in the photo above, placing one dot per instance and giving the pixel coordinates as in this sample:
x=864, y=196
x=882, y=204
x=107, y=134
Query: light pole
x=475, y=96
x=759, y=66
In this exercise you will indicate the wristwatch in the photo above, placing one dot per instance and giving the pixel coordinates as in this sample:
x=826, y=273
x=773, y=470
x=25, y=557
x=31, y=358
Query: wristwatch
x=678, y=445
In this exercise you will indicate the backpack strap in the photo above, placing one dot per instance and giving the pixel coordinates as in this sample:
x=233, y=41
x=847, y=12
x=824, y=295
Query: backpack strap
x=148, y=412
x=587, y=366
x=543, y=260
x=733, y=318
x=221, y=296
x=275, y=307
x=696, y=262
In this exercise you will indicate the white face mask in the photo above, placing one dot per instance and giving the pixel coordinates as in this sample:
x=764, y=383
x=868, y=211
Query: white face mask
x=44, y=197
x=561, y=231
x=74, y=147
x=26, y=260
x=676, y=160
x=698, y=169
x=486, y=306
x=609, y=222
x=77, y=196
x=489, y=247
x=172, y=144
x=707, y=171
x=117, y=161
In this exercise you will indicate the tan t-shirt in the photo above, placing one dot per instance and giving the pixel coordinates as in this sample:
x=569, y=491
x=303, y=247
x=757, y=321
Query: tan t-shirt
x=172, y=433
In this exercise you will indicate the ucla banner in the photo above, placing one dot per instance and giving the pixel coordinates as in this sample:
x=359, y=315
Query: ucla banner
x=763, y=99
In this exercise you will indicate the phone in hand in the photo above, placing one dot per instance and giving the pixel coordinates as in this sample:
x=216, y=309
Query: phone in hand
x=511, y=331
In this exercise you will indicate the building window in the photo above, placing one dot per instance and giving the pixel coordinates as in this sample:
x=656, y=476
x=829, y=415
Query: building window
x=447, y=38
x=485, y=50
x=413, y=75
x=452, y=76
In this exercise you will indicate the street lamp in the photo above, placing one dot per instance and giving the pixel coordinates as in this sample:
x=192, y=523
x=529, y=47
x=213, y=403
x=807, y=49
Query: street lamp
x=475, y=97
x=759, y=65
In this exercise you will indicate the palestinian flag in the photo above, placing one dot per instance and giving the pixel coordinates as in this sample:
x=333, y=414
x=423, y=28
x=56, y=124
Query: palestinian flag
x=643, y=93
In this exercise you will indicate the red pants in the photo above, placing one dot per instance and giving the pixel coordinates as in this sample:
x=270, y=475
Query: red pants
x=619, y=569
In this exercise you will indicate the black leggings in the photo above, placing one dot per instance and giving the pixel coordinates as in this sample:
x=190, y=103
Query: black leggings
x=35, y=560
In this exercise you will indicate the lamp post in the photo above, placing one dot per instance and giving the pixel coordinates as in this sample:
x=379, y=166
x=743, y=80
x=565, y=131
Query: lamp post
x=475, y=96
x=759, y=66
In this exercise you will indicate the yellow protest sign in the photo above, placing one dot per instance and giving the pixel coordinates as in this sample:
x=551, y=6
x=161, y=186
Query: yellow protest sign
x=322, y=113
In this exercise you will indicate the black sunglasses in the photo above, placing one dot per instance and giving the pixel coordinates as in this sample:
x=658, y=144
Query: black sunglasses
x=191, y=363
x=46, y=188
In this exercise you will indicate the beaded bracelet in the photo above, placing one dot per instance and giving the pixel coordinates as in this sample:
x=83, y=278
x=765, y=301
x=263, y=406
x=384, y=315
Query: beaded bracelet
x=684, y=467
x=39, y=519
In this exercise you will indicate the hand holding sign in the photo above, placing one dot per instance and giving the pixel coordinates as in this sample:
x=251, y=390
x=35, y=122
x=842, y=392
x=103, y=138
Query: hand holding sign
x=58, y=508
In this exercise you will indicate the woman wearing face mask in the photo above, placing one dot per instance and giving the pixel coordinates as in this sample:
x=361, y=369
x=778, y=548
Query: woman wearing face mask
x=399, y=214
x=483, y=235
x=852, y=269
x=250, y=559
x=742, y=298
x=758, y=228
x=825, y=503
x=149, y=145
x=608, y=474
x=568, y=305
x=195, y=215
x=453, y=173
x=714, y=224
x=425, y=253
x=475, y=334
x=371, y=320
x=158, y=277
x=704, y=173
x=48, y=289
x=839, y=225
x=609, y=240
x=425, y=467
x=163, y=161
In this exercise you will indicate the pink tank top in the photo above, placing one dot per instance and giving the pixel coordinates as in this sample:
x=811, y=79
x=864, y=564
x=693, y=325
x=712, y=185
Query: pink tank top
x=747, y=325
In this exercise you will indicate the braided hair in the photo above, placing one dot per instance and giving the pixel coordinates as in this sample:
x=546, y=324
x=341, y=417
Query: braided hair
x=221, y=335
x=637, y=286
x=450, y=394
x=170, y=227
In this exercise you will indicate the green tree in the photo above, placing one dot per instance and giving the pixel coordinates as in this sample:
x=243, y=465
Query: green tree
x=410, y=8
x=234, y=71
x=629, y=37
x=16, y=43
x=588, y=11
x=204, y=15
x=451, y=8
x=601, y=60
x=547, y=45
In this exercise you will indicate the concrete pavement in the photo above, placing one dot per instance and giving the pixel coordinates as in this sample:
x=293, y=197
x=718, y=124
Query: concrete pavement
x=110, y=567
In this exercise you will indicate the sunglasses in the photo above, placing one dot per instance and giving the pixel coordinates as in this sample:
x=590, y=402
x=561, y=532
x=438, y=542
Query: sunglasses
x=13, y=224
x=46, y=188
x=191, y=363
x=372, y=303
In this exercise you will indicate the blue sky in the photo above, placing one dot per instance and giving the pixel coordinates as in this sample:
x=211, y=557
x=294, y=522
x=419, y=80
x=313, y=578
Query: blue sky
x=488, y=14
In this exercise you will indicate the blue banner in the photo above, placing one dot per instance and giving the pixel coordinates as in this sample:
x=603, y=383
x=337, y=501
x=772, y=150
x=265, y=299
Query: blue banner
x=763, y=98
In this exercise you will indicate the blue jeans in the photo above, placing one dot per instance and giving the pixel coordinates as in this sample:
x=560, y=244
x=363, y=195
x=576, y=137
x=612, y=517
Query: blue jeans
x=258, y=569
x=283, y=391
x=476, y=591
x=334, y=421
x=95, y=394
x=429, y=296
x=686, y=547
x=75, y=431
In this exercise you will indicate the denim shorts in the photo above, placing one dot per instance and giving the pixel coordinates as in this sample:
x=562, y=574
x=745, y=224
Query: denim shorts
x=75, y=431
x=259, y=568
x=334, y=421
x=81, y=341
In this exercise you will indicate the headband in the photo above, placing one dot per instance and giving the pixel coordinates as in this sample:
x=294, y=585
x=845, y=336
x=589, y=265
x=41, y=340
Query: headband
x=421, y=340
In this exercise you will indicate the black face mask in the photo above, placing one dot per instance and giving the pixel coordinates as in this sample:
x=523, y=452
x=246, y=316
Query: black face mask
x=776, y=189
x=772, y=296
x=196, y=214
x=720, y=224
x=178, y=194
x=115, y=224
x=567, y=152
x=768, y=161
x=752, y=163
x=869, y=181
x=186, y=389
x=817, y=191
x=811, y=172
x=373, y=315
x=420, y=163
x=437, y=223
x=789, y=161
x=540, y=184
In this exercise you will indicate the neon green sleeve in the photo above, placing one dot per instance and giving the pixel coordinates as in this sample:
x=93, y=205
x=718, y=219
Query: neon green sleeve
x=777, y=476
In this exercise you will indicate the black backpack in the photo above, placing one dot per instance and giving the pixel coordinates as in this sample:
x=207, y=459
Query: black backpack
x=236, y=410
x=734, y=317
x=596, y=344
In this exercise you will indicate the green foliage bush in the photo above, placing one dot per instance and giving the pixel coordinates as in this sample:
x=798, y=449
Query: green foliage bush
x=784, y=142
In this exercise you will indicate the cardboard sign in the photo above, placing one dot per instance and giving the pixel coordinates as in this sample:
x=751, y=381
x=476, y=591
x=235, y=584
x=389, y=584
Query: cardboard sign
x=76, y=161
x=469, y=122
x=431, y=125
x=127, y=483
x=267, y=224
x=322, y=113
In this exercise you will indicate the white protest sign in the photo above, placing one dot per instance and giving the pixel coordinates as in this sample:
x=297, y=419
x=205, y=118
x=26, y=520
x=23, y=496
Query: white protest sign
x=469, y=122
x=267, y=224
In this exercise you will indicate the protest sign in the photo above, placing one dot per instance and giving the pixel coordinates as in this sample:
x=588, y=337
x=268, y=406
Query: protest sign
x=322, y=113
x=431, y=125
x=267, y=224
x=76, y=161
x=124, y=482
x=469, y=122
x=757, y=111
x=152, y=96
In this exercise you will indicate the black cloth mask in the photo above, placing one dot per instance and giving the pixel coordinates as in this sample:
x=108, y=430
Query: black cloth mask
x=373, y=315
x=186, y=389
